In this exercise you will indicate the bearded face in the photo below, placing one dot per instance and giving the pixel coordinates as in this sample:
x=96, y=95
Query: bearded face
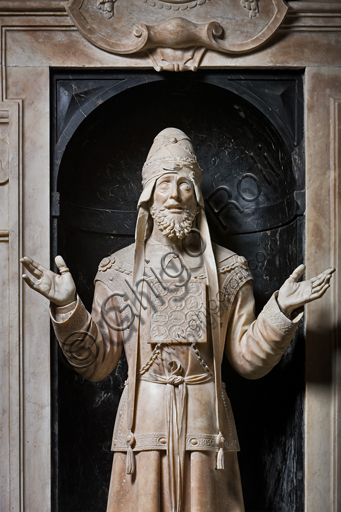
x=173, y=225
x=174, y=205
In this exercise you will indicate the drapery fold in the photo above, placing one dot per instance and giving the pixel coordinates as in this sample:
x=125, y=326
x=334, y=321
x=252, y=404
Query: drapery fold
x=176, y=407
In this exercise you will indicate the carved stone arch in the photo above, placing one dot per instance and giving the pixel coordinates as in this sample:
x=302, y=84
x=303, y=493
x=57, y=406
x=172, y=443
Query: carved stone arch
x=92, y=97
x=95, y=96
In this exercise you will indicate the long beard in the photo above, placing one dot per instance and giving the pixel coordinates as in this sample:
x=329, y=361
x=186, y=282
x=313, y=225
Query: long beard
x=179, y=227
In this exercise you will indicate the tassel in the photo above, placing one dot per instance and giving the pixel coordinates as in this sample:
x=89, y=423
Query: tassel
x=130, y=462
x=220, y=456
x=130, y=466
x=220, y=459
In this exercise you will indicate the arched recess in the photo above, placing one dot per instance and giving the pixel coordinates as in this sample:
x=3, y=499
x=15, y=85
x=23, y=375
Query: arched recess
x=247, y=140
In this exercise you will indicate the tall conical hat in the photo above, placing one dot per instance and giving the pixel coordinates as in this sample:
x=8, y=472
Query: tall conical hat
x=171, y=152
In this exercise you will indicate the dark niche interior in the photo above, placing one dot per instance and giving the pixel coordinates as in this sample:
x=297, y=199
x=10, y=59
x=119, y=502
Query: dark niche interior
x=247, y=132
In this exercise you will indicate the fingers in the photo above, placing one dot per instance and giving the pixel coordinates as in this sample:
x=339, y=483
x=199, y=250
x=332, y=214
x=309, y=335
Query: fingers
x=329, y=272
x=318, y=294
x=317, y=289
x=323, y=277
x=319, y=284
x=297, y=272
x=33, y=267
x=316, y=281
x=61, y=265
x=30, y=283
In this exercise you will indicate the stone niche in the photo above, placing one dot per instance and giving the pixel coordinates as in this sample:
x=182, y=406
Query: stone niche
x=76, y=121
x=248, y=135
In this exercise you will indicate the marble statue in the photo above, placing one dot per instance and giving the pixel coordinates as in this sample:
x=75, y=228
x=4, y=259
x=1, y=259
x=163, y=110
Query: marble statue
x=174, y=302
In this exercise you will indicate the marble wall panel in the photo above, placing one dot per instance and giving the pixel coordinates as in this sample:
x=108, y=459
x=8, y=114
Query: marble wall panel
x=33, y=337
x=323, y=91
x=9, y=307
x=5, y=368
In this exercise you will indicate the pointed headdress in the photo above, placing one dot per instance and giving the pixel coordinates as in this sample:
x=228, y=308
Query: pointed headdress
x=172, y=151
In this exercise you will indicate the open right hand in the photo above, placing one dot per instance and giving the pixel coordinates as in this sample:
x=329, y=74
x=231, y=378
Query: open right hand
x=59, y=289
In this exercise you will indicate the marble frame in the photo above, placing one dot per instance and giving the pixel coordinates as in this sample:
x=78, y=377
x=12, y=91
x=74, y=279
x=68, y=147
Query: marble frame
x=38, y=35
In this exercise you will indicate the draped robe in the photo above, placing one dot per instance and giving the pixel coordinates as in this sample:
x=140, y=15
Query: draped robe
x=175, y=443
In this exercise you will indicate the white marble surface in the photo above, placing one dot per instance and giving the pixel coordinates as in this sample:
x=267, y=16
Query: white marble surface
x=323, y=92
x=290, y=49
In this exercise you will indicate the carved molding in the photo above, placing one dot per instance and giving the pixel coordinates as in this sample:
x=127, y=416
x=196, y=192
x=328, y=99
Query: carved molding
x=335, y=185
x=4, y=146
x=313, y=16
x=50, y=6
x=4, y=235
x=33, y=5
x=11, y=421
x=301, y=16
x=314, y=7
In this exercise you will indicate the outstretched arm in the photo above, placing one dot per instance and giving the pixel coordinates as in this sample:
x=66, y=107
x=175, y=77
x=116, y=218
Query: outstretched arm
x=88, y=343
x=255, y=346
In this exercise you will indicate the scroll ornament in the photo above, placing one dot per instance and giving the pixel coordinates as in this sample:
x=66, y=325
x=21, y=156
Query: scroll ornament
x=177, y=42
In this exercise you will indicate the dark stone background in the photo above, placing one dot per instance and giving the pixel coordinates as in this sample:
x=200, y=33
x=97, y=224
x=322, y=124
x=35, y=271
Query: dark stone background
x=247, y=130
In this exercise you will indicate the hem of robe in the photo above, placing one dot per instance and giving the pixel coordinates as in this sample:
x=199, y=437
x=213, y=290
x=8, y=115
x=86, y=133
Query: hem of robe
x=147, y=490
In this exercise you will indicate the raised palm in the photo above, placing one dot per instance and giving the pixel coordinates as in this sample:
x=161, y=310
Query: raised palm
x=58, y=288
x=293, y=295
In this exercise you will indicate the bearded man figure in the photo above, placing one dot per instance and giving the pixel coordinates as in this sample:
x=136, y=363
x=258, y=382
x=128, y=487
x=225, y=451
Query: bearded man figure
x=174, y=306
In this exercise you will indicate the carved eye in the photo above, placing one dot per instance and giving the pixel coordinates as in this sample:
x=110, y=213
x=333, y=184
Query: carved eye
x=185, y=186
x=163, y=185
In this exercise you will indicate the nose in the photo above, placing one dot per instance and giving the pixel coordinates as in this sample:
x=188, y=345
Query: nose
x=174, y=192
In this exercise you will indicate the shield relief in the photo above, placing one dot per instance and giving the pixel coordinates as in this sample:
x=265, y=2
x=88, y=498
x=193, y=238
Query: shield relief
x=176, y=33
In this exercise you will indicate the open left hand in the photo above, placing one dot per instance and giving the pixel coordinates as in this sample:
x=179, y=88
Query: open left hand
x=58, y=288
x=293, y=295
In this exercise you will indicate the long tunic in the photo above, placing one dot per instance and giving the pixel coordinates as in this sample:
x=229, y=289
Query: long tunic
x=175, y=442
